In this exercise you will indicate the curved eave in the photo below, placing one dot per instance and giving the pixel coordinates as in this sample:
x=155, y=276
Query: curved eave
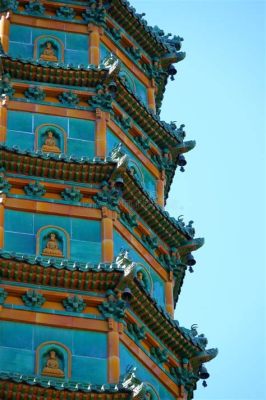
x=53, y=388
x=158, y=320
x=55, y=272
x=191, y=245
x=179, y=280
x=184, y=147
x=126, y=16
x=158, y=219
x=55, y=166
x=147, y=120
x=55, y=73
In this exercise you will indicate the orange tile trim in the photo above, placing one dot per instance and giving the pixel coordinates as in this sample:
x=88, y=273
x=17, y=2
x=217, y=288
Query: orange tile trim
x=3, y=121
x=107, y=237
x=160, y=192
x=56, y=209
x=48, y=24
x=51, y=295
x=113, y=352
x=58, y=321
x=95, y=33
x=100, y=132
x=4, y=30
x=51, y=110
x=18, y=183
x=2, y=212
x=169, y=301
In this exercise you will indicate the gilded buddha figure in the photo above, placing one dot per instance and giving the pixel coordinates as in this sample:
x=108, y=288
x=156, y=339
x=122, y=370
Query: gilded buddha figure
x=48, y=53
x=50, y=144
x=52, y=248
x=140, y=278
x=52, y=366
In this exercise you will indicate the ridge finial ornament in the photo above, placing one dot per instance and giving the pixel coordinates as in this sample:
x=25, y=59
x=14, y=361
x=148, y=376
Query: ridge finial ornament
x=112, y=63
x=119, y=155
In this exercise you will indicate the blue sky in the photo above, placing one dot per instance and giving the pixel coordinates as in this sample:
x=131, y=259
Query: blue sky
x=219, y=93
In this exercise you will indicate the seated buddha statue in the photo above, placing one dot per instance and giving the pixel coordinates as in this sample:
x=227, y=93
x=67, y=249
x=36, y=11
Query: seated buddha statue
x=52, y=366
x=50, y=144
x=51, y=248
x=48, y=53
x=140, y=278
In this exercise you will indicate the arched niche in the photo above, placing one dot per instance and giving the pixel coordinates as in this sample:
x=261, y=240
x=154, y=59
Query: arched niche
x=142, y=274
x=49, y=48
x=50, y=138
x=136, y=170
x=53, y=241
x=127, y=80
x=53, y=359
x=150, y=393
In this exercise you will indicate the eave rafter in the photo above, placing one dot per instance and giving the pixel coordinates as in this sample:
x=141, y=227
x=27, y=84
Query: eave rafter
x=55, y=389
x=58, y=273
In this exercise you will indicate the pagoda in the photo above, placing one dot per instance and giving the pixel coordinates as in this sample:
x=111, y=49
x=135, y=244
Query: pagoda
x=91, y=265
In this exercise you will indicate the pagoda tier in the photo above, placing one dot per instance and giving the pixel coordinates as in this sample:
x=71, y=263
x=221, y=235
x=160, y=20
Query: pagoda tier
x=91, y=265
x=158, y=143
x=119, y=28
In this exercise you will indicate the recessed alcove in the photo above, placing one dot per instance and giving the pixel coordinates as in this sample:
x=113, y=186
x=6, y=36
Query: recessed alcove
x=53, y=359
x=53, y=241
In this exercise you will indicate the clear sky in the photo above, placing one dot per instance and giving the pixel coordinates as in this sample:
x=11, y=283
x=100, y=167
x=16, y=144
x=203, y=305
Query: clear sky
x=219, y=93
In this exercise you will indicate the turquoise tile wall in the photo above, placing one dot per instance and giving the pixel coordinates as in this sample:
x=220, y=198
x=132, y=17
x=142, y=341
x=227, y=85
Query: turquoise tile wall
x=127, y=359
x=136, y=86
x=149, y=182
x=158, y=284
x=22, y=43
x=21, y=128
x=21, y=229
x=16, y=360
x=18, y=343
